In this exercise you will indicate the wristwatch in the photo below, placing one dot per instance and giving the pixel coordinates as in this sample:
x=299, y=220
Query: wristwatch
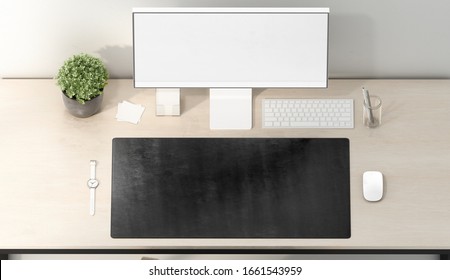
x=92, y=184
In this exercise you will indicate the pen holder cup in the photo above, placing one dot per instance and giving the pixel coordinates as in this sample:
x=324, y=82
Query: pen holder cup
x=372, y=112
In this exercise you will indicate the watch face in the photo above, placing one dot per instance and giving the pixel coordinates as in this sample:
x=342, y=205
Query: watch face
x=92, y=183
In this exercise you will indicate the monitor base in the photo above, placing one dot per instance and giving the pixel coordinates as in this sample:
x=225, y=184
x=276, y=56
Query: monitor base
x=230, y=108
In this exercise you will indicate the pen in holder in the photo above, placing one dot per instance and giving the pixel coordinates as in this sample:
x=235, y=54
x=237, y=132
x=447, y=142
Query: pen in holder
x=371, y=110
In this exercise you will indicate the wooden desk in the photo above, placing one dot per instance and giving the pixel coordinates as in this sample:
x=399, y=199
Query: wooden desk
x=45, y=153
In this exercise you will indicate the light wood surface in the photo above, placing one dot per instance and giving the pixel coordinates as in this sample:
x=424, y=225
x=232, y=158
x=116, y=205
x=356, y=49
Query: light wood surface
x=45, y=153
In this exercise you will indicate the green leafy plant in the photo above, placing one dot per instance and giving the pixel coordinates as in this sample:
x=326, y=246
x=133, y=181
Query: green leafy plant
x=82, y=77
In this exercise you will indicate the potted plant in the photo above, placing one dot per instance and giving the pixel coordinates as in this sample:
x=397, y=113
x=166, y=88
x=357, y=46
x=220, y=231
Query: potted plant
x=82, y=79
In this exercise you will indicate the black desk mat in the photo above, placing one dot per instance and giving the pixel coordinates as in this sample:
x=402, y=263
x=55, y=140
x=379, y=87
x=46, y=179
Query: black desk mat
x=230, y=188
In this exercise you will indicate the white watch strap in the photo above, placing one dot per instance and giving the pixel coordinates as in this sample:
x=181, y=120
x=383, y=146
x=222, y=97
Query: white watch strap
x=92, y=201
x=93, y=163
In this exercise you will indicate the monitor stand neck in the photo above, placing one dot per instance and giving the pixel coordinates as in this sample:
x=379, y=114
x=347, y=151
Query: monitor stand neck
x=230, y=108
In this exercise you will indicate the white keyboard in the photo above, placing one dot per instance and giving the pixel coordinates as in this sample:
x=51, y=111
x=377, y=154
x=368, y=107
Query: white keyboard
x=307, y=113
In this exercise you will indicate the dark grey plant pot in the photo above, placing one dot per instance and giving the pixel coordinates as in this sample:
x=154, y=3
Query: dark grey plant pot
x=85, y=110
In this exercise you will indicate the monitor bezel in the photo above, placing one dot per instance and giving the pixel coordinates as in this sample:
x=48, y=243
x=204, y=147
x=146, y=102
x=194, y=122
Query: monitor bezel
x=270, y=84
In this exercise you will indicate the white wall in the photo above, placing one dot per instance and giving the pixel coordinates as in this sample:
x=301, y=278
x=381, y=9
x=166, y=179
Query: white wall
x=375, y=39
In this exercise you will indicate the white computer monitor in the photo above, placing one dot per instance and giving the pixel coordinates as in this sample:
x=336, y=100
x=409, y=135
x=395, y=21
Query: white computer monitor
x=230, y=48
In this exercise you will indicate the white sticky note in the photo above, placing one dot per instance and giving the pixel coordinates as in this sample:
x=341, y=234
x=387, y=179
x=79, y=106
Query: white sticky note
x=129, y=112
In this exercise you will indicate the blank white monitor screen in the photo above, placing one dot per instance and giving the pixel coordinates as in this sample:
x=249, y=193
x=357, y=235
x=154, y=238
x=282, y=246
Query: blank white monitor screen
x=230, y=47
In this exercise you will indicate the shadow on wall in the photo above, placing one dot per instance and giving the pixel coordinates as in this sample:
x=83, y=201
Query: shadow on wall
x=118, y=60
x=351, y=46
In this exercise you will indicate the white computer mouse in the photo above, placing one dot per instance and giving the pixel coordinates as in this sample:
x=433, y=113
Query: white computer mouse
x=373, y=185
